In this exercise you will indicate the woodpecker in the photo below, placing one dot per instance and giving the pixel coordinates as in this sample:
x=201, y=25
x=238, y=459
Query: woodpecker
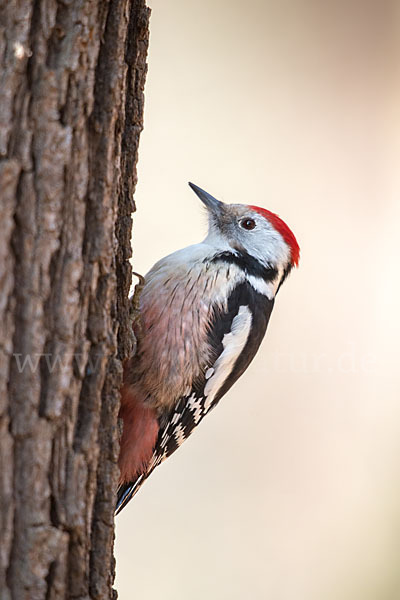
x=204, y=311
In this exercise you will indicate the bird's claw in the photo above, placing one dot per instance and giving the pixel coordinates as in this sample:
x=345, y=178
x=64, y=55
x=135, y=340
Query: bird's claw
x=134, y=307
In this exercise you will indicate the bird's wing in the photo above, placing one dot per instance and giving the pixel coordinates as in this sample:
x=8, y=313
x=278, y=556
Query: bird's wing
x=235, y=335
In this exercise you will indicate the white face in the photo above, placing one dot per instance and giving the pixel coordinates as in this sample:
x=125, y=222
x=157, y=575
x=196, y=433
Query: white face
x=244, y=229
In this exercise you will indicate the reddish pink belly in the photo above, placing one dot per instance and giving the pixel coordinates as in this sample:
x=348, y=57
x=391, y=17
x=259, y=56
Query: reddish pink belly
x=138, y=438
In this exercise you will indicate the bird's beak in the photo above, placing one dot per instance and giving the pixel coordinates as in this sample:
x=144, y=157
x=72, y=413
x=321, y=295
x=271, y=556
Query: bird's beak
x=210, y=202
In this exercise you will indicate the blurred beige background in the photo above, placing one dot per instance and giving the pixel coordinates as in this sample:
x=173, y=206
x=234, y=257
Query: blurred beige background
x=290, y=489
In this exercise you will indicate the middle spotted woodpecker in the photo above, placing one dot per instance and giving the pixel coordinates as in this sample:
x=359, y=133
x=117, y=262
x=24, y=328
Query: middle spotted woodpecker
x=204, y=311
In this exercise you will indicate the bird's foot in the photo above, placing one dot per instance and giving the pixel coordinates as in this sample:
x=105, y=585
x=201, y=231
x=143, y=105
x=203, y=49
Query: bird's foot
x=134, y=307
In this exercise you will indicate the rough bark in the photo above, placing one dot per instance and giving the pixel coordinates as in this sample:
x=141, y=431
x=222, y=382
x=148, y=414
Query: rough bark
x=71, y=110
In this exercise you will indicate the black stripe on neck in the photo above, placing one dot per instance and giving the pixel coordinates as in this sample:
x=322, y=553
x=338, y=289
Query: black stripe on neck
x=286, y=272
x=248, y=263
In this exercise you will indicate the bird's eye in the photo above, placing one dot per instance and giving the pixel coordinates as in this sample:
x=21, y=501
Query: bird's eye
x=248, y=224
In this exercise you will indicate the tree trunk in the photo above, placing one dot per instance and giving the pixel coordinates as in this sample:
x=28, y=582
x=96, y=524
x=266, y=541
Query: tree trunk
x=71, y=111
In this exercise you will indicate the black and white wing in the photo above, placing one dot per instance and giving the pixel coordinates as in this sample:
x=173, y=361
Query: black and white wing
x=235, y=336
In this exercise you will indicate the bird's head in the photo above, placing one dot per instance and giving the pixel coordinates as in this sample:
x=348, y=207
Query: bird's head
x=250, y=229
